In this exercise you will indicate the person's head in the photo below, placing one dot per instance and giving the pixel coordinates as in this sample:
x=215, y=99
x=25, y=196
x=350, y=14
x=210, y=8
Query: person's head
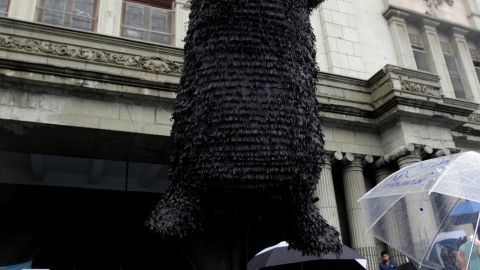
x=385, y=256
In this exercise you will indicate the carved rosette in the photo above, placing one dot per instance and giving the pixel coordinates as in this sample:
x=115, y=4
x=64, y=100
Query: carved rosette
x=154, y=64
x=419, y=88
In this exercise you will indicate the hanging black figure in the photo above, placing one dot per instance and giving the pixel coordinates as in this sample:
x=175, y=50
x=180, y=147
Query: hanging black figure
x=246, y=116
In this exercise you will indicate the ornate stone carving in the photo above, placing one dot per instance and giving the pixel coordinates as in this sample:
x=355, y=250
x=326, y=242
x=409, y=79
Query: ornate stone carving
x=474, y=117
x=147, y=63
x=446, y=47
x=357, y=160
x=416, y=40
x=433, y=5
x=420, y=89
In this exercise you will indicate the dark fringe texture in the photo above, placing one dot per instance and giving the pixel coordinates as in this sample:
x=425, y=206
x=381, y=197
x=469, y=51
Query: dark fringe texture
x=247, y=116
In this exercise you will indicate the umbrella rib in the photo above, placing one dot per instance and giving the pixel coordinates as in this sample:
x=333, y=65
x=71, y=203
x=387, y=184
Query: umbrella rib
x=443, y=174
x=395, y=173
x=438, y=231
x=384, y=212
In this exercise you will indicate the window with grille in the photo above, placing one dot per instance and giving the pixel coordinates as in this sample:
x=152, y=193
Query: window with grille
x=419, y=53
x=476, y=61
x=453, y=70
x=148, y=20
x=78, y=14
x=4, y=7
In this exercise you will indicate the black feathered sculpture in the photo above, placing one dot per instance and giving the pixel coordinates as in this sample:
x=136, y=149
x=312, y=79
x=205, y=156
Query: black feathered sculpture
x=247, y=118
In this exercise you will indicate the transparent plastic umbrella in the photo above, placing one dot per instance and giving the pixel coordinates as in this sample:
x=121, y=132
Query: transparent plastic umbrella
x=430, y=211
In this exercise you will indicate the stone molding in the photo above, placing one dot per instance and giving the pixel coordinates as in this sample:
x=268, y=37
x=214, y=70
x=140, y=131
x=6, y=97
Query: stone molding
x=155, y=64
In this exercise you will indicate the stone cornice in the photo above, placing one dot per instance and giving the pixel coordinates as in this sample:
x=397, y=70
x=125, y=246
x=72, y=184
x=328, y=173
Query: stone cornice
x=85, y=75
x=74, y=34
x=399, y=71
x=342, y=79
x=155, y=64
x=417, y=18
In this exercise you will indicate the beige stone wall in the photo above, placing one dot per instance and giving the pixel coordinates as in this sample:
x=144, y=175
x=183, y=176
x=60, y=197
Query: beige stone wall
x=352, y=141
x=376, y=44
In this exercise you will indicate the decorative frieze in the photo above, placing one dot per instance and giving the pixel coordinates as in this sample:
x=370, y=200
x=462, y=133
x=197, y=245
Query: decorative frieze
x=154, y=64
x=419, y=88
x=474, y=117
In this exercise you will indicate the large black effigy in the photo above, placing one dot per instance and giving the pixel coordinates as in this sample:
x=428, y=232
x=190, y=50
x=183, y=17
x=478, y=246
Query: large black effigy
x=247, y=119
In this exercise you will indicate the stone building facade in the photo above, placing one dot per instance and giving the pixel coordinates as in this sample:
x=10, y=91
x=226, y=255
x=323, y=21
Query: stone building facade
x=91, y=84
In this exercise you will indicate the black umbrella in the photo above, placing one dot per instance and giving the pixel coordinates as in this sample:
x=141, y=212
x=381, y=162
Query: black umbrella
x=279, y=257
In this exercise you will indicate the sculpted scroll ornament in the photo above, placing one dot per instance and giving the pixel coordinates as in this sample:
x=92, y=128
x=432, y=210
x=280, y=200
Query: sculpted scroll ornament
x=147, y=63
x=420, y=89
x=433, y=5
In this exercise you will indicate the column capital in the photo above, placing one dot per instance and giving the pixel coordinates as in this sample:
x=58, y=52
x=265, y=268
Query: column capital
x=356, y=161
x=399, y=152
x=457, y=32
x=409, y=149
x=379, y=163
x=442, y=152
x=408, y=160
x=337, y=156
x=422, y=150
x=327, y=160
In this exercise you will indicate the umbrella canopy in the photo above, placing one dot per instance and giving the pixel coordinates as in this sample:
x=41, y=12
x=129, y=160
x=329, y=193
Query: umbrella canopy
x=430, y=211
x=280, y=257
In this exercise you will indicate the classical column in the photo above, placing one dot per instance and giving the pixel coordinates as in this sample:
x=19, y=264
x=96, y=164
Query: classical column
x=382, y=171
x=429, y=34
x=401, y=40
x=327, y=203
x=419, y=205
x=465, y=63
x=354, y=185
